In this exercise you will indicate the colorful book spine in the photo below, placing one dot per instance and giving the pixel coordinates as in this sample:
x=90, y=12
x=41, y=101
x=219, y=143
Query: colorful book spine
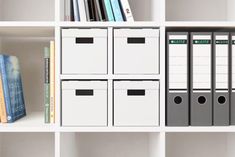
x=116, y=10
x=108, y=9
x=52, y=81
x=126, y=10
x=47, y=84
x=3, y=113
x=5, y=90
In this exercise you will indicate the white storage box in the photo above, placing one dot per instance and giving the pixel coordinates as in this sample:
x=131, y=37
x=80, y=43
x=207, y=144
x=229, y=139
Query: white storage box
x=136, y=51
x=84, y=51
x=84, y=103
x=136, y=103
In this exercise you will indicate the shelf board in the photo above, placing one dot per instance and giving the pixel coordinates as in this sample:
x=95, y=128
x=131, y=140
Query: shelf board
x=199, y=24
x=200, y=129
x=129, y=77
x=32, y=122
x=110, y=129
x=110, y=24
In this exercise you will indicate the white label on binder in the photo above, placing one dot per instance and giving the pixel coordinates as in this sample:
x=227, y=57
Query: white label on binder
x=178, y=61
x=201, y=61
x=221, y=61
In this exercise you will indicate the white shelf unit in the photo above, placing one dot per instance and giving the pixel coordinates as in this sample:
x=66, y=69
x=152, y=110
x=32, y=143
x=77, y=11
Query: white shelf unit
x=26, y=26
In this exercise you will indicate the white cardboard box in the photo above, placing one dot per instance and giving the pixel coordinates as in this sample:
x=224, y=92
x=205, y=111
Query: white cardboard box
x=136, y=103
x=136, y=51
x=84, y=51
x=84, y=103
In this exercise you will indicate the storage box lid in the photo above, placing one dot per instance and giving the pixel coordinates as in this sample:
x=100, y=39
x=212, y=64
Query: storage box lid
x=84, y=85
x=147, y=32
x=93, y=32
x=124, y=85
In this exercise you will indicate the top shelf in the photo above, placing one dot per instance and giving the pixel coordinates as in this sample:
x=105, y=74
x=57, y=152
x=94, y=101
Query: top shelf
x=157, y=11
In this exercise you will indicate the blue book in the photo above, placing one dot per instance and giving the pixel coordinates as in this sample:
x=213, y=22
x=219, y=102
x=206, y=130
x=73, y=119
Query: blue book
x=108, y=9
x=116, y=10
x=12, y=88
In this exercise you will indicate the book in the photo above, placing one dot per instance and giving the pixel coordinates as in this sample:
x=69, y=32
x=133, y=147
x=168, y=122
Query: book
x=3, y=114
x=12, y=88
x=91, y=10
x=102, y=11
x=47, y=84
x=71, y=11
x=126, y=10
x=52, y=81
x=82, y=10
x=98, y=10
x=108, y=10
x=76, y=10
x=87, y=10
x=97, y=18
x=116, y=10
x=67, y=11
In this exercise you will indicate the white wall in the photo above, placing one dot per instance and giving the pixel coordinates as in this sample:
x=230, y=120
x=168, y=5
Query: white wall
x=69, y=145
x=33, y=10
x=196, y=144
x=27, y=144
x=231, y=10
x=198, y=10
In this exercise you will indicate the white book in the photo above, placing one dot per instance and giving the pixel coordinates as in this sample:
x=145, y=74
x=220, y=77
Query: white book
x=126, y=10
x=87, y=10
x=82, y=10
x=67, y=10
x=76, y=11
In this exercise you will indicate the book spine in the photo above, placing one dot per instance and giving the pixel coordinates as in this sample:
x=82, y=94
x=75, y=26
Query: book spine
x=67, y=11
x=82, y=10
x=99, y=10
x=52, y=81
x=116, y=10
x=3, y=114
x=47, y=84
x=87, y=10
x=5, y=90
x=108, y=9
x=76, y=11
x=126, y=10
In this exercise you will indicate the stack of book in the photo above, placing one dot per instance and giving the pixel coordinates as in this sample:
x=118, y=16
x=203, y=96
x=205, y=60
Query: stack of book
x=97, y=10
x=49, y=84
x=12, y=104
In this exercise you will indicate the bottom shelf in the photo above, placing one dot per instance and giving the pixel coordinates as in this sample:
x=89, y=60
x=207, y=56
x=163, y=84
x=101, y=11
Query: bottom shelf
x=33, y=121
x=27, y=145
x=110, y=145
x=200, y=144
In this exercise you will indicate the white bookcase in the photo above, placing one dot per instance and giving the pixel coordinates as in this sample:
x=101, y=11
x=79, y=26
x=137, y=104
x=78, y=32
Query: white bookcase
x=26, y=26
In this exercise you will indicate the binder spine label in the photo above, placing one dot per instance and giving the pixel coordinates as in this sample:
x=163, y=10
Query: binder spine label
x=221, y=62
x=201, y=61
x=178, y=62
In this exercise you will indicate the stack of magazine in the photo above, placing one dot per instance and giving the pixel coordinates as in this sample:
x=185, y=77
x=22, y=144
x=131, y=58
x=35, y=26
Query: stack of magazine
x=97, y=10
x=12, y=104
